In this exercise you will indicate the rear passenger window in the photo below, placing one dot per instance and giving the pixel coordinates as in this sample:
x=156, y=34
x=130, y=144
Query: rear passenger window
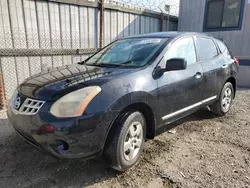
x=206, y=48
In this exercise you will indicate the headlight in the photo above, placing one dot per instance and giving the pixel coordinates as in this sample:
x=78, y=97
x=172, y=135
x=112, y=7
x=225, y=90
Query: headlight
x=74, y=103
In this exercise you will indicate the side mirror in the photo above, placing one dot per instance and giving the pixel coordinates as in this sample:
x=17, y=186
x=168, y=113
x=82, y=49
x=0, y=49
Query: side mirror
x=176, y=64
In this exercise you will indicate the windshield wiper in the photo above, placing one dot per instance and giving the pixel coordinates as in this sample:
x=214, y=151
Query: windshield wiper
x=81, y=62
x=126, y=62
x=111, y=65
x=106, y=65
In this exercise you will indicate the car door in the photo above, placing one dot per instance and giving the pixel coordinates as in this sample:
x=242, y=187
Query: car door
x=180, y=92
x=213, y=66
x=229, y=67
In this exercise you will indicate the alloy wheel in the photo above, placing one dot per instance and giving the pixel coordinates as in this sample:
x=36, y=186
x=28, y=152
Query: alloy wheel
x=133, y=141
x=226, y=100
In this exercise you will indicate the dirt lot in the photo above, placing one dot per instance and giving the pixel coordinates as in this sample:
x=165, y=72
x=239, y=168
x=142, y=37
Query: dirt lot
x=206, y=151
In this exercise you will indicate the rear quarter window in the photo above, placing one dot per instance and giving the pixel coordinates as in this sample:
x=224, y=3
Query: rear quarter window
x=222, y=46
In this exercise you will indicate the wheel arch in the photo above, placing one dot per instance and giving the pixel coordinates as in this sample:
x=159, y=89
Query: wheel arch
x=148, y=114
x=232, y=80
x=144, y=102
x=146, y=111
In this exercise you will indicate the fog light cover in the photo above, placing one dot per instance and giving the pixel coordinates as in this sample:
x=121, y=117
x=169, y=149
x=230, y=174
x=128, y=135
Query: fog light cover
x=44, y=129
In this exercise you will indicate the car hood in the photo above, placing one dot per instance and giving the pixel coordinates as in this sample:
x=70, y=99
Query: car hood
x=52, y=84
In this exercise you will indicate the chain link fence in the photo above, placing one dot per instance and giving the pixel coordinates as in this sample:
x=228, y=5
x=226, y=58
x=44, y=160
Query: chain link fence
x=36, y=35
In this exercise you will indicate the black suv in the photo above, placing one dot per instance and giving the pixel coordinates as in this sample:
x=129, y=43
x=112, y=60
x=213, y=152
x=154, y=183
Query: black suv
x=110, y=103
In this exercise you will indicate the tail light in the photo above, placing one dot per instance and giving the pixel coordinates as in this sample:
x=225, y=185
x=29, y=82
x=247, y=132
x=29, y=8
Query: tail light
x=46, y=129
x=236, y=61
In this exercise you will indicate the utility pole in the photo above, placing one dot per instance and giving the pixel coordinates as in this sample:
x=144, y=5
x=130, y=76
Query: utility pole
x=101, y=8
x=167, y=9
x=161, y=20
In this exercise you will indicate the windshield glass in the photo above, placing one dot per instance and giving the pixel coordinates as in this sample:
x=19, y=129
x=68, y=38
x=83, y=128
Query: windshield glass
x=128, y=52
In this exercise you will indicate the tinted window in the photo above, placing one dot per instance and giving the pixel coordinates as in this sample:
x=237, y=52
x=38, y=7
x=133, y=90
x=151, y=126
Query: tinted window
x=231, y=13
x=183, y=48
x=206, y=48
x=223, y=13
x=214, y=15
x=221, y=45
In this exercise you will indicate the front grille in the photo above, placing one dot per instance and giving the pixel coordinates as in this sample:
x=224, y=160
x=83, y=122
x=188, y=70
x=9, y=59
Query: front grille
x=30, y=106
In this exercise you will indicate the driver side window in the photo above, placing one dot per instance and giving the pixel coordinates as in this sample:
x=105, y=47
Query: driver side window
x=183, y=48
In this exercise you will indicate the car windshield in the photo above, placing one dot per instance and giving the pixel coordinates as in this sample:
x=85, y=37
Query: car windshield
x=134, y=52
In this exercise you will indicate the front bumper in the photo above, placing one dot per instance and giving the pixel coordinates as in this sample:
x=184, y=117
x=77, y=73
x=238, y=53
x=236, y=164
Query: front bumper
x=74, y=138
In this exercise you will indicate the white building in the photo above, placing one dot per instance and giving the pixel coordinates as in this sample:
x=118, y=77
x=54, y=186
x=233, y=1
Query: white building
x=225, y=19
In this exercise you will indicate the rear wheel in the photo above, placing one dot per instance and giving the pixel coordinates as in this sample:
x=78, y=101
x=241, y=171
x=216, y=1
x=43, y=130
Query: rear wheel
x=223, y=105
x=126, y=141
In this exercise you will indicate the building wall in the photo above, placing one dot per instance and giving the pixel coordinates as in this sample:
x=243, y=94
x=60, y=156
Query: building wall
x=191, y=18
x=56, y=25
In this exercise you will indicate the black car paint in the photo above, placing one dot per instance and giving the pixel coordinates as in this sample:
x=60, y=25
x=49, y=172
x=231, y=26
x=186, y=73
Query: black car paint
x=121, y=87
x=214, y=75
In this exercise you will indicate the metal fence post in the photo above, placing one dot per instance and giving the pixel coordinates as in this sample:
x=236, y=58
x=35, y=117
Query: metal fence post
x=168, y=21
x=161, y=21
x=2, y=98
x=101, y=8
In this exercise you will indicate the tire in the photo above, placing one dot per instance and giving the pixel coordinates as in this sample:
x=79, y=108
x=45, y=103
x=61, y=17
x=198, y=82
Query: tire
x=222, y=106
x=131, y=127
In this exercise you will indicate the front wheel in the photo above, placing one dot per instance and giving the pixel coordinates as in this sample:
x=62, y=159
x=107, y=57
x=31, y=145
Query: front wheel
x=126, y=141
x=223, y=105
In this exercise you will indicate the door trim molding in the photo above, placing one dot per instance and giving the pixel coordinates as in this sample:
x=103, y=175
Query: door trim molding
x=188, y=108
x=209, y=99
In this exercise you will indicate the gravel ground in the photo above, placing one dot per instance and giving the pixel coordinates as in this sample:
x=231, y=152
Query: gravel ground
x=205, y=151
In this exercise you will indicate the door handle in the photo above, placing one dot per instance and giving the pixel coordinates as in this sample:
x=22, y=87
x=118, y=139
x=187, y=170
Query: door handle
x=198, y=75
x=224, y=66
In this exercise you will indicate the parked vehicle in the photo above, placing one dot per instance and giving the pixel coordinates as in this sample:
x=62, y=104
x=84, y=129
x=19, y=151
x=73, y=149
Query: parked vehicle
x=110, y=103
